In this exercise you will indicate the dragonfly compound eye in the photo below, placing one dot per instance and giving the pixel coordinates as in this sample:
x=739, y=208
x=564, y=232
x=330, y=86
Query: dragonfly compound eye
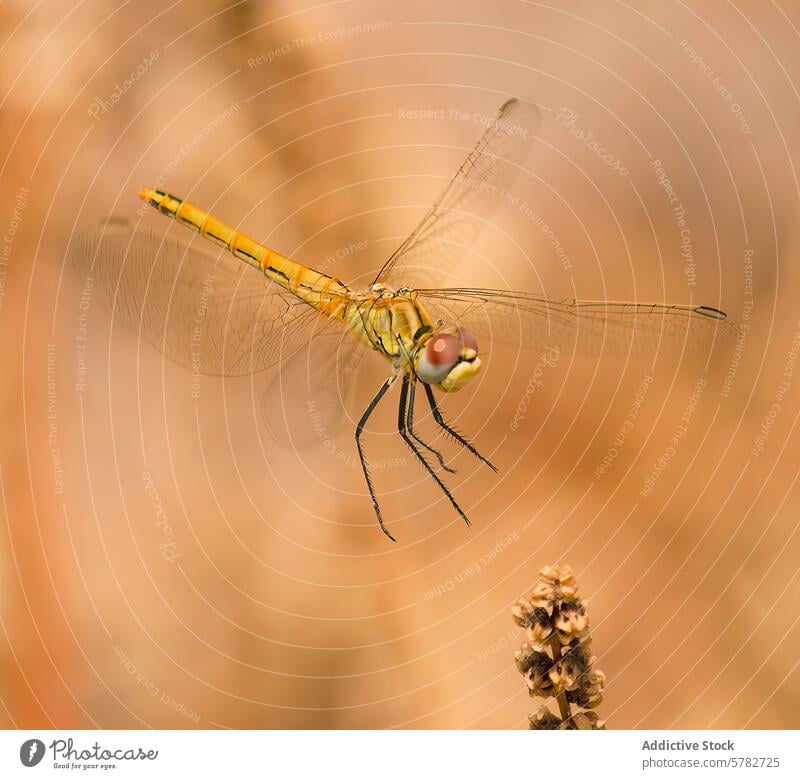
x=449, y=359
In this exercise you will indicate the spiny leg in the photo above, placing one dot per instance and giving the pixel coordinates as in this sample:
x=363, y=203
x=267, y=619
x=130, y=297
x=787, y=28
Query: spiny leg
x=359, y=428
x=410, y=421
x=401, y=426
x=437, y=415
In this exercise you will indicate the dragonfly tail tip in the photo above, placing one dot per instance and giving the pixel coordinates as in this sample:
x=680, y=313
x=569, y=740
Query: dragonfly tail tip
x=713, y=313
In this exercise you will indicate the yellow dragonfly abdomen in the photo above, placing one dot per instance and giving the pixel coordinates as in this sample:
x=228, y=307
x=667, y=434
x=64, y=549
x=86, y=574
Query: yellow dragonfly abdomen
x=325, y=293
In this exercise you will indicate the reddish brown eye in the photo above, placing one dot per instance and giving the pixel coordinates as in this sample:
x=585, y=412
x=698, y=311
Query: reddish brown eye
x=443, y=349
x=470, y=341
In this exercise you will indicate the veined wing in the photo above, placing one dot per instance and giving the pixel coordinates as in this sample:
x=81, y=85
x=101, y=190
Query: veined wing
x=450, y=227
x=204, y=310
x=308, y=399
x=534, y=321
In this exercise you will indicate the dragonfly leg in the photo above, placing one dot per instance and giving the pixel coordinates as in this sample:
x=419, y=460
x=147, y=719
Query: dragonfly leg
x=403, y=428
x=410, y=421
x=437, y=415
x=359, y=429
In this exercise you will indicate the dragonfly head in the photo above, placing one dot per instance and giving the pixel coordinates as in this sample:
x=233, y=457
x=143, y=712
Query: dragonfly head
x=448, y=358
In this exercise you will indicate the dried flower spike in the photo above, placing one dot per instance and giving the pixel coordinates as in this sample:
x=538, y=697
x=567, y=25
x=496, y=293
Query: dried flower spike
x=556, y=661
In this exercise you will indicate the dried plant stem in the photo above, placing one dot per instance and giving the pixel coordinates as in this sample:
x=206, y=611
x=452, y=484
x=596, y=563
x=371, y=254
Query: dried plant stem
x=561, y=697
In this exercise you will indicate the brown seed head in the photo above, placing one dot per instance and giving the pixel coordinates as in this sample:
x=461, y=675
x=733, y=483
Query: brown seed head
x=590, y=690
x=537, y=676
x=584, y=720
x=564, y=674
x=528, y=656
x=544, y=719
x=555, y=586
x=571, y=622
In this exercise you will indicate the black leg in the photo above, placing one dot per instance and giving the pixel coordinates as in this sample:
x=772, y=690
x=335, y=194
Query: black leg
x=437, y=415
x=410, y=421
x=401, y=426
x=359, y=428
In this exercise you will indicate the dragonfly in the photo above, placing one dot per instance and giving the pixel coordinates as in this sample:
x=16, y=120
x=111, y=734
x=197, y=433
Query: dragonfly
x=224, y=318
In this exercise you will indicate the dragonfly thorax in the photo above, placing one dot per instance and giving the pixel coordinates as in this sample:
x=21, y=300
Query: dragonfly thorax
x=397, y=325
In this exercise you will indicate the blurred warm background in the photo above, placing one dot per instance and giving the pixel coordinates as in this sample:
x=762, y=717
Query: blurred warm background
x=277, y=602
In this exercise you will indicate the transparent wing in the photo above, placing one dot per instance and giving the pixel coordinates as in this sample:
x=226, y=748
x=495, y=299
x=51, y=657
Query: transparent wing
x=203, y=309
x=536, y=322
x=308, y=400
x=452, y=224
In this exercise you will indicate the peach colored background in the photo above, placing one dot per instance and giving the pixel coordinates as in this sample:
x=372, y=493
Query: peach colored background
x=287, y=608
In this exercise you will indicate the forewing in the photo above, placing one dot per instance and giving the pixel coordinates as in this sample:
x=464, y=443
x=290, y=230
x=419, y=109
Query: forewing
x=451, y=226
x=537, y=322
x=203, y=309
